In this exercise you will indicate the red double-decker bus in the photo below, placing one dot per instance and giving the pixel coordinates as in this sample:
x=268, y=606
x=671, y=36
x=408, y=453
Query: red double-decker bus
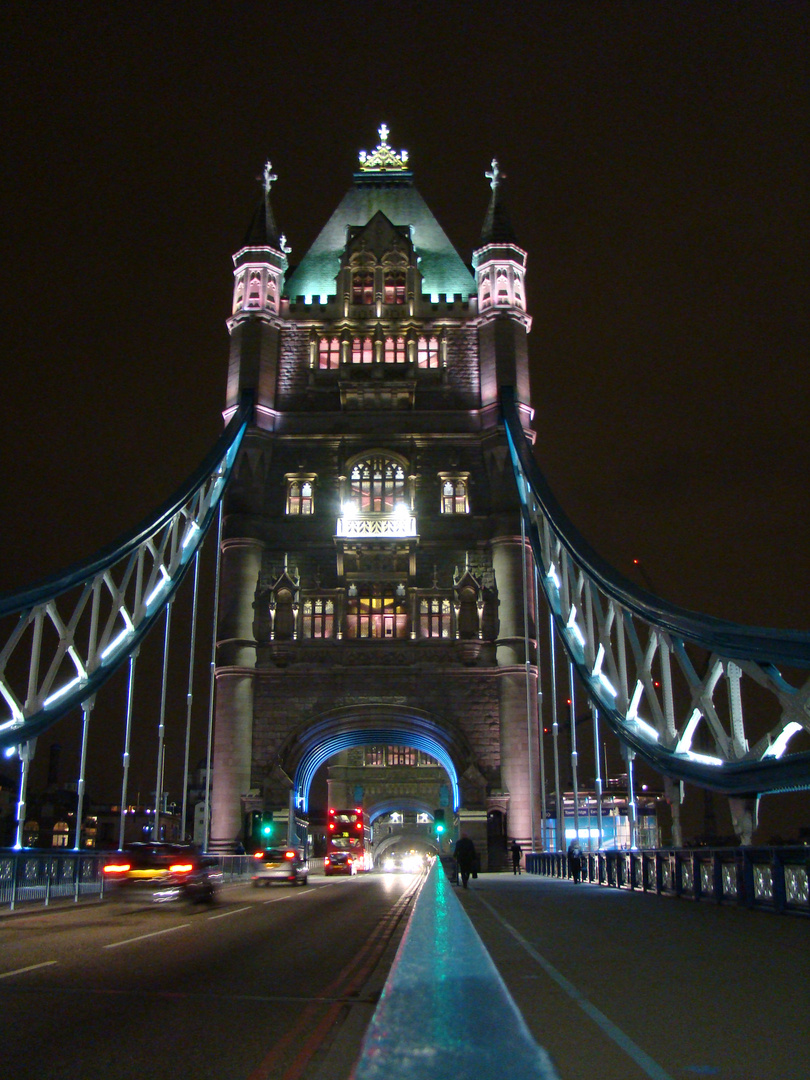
x=348, y=842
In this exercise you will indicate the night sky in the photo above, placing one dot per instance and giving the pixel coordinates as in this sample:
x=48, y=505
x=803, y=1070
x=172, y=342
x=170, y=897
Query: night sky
x=656, y=161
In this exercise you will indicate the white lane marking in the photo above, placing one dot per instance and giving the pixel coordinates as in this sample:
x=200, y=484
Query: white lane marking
x=276, y=899
x=647, y=1064
x=31, y=967
x=224, y=914
x=143, y=937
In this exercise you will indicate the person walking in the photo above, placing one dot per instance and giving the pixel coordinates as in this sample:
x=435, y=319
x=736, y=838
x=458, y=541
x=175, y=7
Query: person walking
x=465, y=856
x=575, y=860
x=516, y=853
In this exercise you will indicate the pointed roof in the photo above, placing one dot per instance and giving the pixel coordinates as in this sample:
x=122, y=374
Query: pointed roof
x=497, y=228
x=263, y=231
x=383, y=184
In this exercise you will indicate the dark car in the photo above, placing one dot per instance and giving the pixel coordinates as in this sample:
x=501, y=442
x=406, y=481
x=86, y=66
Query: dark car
x=159, y=873
x=280, y=864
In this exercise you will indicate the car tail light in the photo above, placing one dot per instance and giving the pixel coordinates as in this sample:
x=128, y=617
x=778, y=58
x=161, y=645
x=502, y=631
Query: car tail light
x=326, y=860
x=258, y=854
x=348, y=858
x=289, y=854
x=117, y=868
x=180, y=868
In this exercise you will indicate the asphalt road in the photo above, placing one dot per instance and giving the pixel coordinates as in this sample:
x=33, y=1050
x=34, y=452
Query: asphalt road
x=266, y=984
x=621, y=986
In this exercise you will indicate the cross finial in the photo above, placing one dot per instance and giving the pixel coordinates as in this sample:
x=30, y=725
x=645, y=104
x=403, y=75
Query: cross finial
x=495, y=175
x=268, y=177
x=383, y=130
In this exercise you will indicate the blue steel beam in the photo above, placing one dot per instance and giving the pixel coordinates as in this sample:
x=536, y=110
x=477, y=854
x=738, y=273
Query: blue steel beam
x=73, y=630
x=629, y=647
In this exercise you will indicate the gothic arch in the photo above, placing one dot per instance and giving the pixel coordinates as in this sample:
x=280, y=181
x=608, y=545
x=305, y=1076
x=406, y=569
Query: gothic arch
x=357, y=725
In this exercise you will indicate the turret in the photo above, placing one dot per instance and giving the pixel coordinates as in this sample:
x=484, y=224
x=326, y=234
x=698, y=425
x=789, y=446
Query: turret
x=500, y=270
x=259, y=268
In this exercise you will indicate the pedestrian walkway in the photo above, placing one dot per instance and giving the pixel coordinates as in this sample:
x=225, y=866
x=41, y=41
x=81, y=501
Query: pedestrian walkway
x=630, y=986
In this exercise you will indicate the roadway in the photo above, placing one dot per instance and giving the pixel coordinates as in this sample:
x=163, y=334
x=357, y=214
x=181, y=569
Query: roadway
x=625, y=986
x=266, y=983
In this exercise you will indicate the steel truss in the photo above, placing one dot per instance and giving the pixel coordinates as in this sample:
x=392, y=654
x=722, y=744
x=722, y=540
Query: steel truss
x=671, y=683
x=63, y=638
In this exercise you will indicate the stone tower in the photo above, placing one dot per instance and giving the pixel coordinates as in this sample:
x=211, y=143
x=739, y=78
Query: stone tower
x=371, y=581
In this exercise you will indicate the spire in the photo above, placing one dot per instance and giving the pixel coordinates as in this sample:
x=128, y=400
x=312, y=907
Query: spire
x=263, y=231
x=497, y=227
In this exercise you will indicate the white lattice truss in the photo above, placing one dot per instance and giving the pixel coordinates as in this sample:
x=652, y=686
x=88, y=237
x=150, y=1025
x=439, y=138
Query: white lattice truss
x=65, y=637
x=699, y=698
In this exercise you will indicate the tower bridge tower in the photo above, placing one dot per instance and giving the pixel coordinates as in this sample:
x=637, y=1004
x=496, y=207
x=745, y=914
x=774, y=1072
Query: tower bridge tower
x=371, y=558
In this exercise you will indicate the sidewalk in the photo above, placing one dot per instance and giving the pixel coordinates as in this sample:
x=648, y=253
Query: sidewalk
x=632, y=987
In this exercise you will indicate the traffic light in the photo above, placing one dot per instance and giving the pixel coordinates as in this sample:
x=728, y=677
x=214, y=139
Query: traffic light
x=261, y=827
x=438, y=821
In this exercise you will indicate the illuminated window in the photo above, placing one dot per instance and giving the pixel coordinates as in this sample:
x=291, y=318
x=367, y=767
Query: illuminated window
x=317, y=617
x=394, y=288
x=362, y=350
x=435, y=617
x=402, y=755
x=427, y=352
x=60, y=834
x=374, y=611
x=395, y=351
x=328, y=354
x=454, y=495
x=363, y=289
x=374, y=755
x=377, y=485
x=299, y=496
x=426, y=759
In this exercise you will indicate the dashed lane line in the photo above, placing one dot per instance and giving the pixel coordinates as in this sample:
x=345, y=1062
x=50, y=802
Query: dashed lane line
x=142, y=937
x=31, y=967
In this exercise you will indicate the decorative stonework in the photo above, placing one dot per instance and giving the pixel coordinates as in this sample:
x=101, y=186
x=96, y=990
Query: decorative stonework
x=383, y=159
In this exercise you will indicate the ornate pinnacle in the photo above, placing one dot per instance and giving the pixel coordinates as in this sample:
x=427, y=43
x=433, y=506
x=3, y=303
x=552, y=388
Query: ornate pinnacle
x=268, y=177
x=495, y=176
x=383, y=159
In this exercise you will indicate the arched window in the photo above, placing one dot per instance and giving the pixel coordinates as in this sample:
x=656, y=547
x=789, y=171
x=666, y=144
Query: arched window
x=427, y=352
x=329, y=354
x=317, y=617
x=377, y=485
x=363, y=288
x=254, y=296
x=394, y=287
x=362, y=350
x=395, y=352
x=454, y=495
x=435, y=617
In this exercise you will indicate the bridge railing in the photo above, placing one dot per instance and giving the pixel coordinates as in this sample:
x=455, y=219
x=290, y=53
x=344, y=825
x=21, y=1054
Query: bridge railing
x=769, y=878
x=41, y=876
x=701, y=699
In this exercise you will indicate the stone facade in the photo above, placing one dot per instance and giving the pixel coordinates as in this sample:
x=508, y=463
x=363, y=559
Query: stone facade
x=371, y=566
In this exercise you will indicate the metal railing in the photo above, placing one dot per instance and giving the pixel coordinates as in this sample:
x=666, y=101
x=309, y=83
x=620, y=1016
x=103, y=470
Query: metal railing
x=770, y=879
x=39, y=876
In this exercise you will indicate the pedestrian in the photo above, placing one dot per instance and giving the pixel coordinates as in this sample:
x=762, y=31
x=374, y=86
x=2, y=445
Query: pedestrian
x=465, y=856
x=575, y=860
x=516, y=853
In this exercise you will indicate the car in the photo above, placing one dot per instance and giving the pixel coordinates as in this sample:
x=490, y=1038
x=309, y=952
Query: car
x=340, y=862
x=159, y=873
x=287, y=864
x=402, y=862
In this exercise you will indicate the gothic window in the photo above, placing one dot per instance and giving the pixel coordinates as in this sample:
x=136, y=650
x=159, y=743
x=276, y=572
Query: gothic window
x=60, y=834
x=402, y=755
x=240, y=293
x=375, y=611
x=317, y=617
x=454, y=495
x=435, y=617
x=377, y=485
x=374, y=755
x=299, y=496
x=395, y=352
x=486, y=293
x=502, y=290
x=518, y=287
x=363, y=288
x=394, y=288
x=427, y=352
x=362, y=350
x=329, y=354
x=254, y=296
x=270, y=299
